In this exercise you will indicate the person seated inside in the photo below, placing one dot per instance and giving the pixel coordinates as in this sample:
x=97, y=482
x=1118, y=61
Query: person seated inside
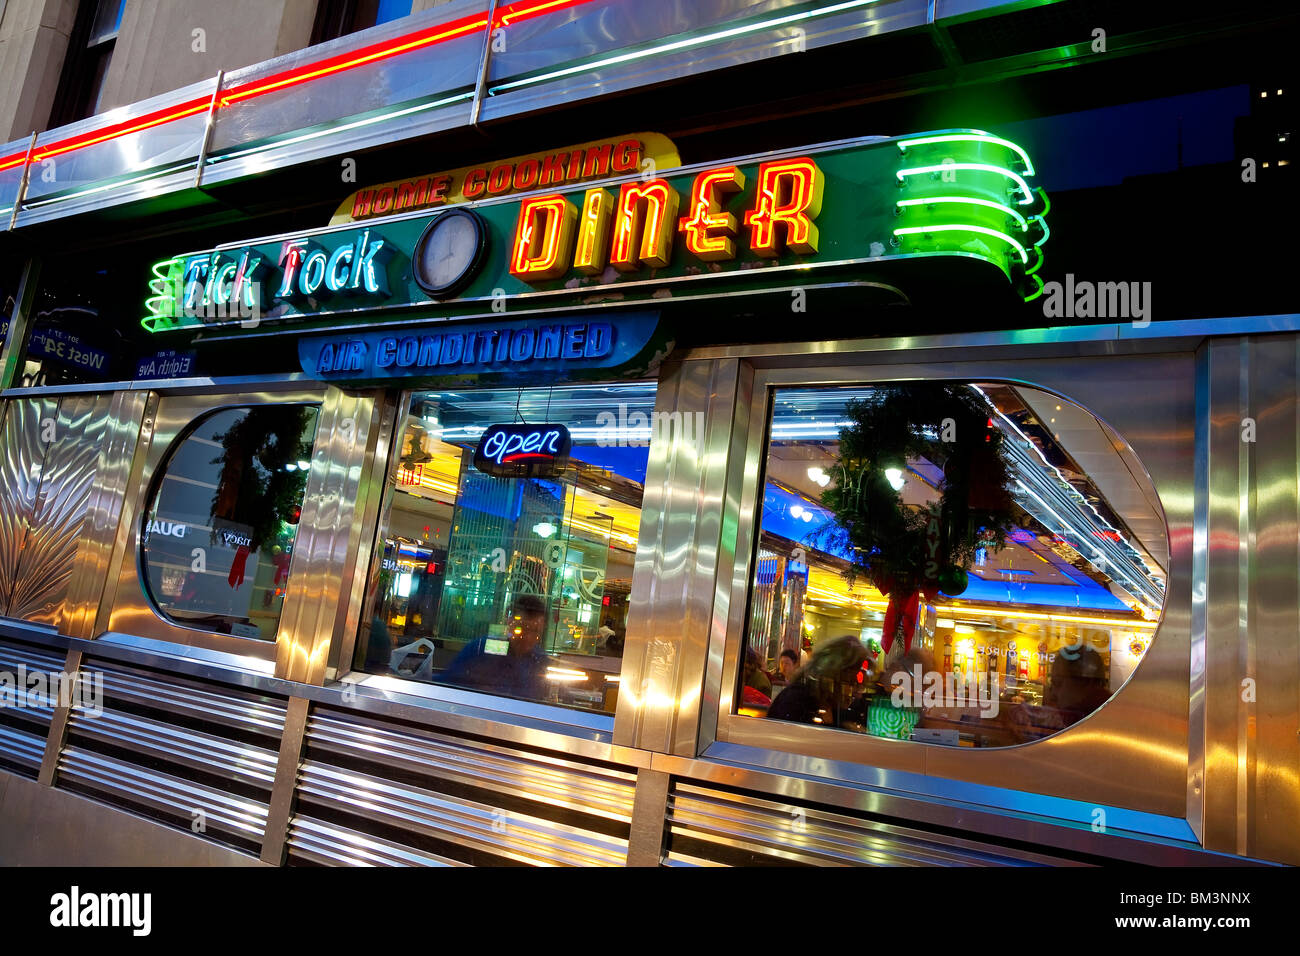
x=514, y=665
x=788, y=662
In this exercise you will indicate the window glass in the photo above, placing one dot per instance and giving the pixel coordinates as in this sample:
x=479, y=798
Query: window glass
x=961, y=564
x=219, y=531
x=513, y=585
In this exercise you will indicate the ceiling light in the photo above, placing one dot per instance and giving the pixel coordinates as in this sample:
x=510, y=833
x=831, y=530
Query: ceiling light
x=545, y=529
x=895, y=478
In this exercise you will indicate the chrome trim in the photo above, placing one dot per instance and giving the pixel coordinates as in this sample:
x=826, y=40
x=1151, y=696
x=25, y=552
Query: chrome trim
x=174, y=386
x=13, y=348
x=286, y=779
x=1018, y=342
x=21, y=748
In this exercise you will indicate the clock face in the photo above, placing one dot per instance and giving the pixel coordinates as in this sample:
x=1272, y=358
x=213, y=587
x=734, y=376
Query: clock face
x=449, y=252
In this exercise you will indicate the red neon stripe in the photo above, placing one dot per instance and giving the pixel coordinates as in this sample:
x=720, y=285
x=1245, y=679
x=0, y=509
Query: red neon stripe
x=525, y=454
x=439, y=33
x=353, y=58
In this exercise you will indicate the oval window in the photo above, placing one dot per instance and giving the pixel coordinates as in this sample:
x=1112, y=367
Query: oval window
x=218, y=533
x=974, y=565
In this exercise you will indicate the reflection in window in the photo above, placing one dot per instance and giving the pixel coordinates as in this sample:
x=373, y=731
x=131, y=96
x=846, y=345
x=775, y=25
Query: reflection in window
x=970, y=565
x=514, y=586
x=219, y=531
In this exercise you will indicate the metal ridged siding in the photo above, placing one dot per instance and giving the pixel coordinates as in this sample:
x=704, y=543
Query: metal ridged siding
x=710, y=827
x=23, y=729
x=143, y=753
x=45, y=491
x=387, y=794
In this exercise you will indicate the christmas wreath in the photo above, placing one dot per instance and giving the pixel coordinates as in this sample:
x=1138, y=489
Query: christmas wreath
x=907, y=551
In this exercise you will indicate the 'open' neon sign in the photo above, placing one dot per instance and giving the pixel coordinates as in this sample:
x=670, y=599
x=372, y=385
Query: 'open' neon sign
x=523, y=451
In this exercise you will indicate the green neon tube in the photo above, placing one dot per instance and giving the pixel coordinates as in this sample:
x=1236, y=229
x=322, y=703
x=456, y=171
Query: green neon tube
x=915, y=230
x=977, y=136
x=980, y=167
x=987, y=203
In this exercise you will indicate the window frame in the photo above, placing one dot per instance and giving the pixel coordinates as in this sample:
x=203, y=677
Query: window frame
x=910, y=765
x=574, y=719
x=129, y=609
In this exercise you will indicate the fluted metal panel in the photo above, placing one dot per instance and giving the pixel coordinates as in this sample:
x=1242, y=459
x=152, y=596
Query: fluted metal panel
x=599, y=791
x=19, y=659
x=22, y=455
x=154, y=739
x=21, y=750
x=327, y=844
x=55, y=530
x=720, y=826
x=211, y=704
x=127, y=785
x=459, y=800
x=477, y=827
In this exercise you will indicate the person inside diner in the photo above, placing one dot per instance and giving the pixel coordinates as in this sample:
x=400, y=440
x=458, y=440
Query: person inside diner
x=514, y=665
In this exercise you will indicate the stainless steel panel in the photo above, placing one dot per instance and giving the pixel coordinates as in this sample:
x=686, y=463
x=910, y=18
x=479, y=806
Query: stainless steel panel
x=21, y=749
x=1131, y=753
x=286, y=779
x=72, y=457
x=100, y=528
x=621, y=46
x=22, y=453
x=675, y=601
x=1248, y=521
x=329, y=536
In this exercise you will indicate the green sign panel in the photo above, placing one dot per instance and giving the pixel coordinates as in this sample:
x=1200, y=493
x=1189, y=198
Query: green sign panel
x=797, y=219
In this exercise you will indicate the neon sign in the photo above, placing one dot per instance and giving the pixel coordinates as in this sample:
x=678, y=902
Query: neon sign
x=523, y=451
x=844, y=212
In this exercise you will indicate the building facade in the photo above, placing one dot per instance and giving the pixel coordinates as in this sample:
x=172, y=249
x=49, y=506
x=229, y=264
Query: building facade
x=575, y=432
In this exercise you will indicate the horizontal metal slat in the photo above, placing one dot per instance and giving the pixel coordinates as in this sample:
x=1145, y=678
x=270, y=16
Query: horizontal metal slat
x=210, y=703
x=238, y=761
x=574, y=786
x=34, y=659
x=316, y=841
x=788, y=831
x=21, y=747
x=126, y=783
x=475, y=825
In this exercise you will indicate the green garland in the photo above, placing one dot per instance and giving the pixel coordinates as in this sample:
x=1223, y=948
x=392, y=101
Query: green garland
x=908, y=549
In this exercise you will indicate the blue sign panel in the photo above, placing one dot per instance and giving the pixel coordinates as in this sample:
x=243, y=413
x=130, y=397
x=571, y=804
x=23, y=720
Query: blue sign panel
x=553, y=348
x=68, y=349
x=168, y=363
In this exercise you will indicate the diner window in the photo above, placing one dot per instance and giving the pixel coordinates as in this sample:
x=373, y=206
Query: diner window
x=90, y=50
x=974, y=565
x=217, y=536
x=513, y=585
x=337, y=18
